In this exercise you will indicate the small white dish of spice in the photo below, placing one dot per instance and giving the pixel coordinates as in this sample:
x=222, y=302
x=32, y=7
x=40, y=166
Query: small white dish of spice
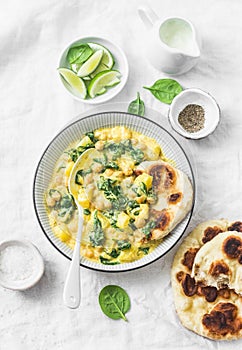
x=194, y=114
x=21, y=264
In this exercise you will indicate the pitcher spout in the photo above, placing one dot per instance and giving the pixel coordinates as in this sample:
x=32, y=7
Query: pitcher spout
x=195, y=52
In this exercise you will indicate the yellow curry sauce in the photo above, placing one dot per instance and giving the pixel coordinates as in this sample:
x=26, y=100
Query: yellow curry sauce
x=118, y=231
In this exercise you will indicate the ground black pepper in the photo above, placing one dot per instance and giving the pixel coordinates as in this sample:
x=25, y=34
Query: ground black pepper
x=192, y=118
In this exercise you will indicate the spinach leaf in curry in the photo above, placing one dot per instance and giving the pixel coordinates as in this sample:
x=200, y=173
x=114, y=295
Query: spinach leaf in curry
x=97, y=235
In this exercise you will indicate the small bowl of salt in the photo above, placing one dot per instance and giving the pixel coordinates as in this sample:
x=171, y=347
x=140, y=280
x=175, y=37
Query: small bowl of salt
x=21, y=265
x=194, y=114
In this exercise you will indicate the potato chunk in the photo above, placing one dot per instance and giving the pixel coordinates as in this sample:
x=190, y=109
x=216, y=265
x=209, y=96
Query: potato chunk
x=146, y=179
x=123, y=220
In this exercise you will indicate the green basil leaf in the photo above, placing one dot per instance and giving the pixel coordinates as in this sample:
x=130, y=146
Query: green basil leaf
x=137, y=106
x=79, y=54
x=114, y=302
x=165, y=90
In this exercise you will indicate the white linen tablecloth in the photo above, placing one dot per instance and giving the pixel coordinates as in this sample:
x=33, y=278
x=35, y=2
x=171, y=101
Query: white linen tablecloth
x=35, y=106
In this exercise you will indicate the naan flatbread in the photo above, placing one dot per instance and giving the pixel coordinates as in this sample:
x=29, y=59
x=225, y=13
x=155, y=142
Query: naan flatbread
x=218, y=263
x=175, y=196
x=208, y=311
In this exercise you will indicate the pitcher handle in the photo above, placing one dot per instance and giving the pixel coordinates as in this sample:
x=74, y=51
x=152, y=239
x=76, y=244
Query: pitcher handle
x=147, y=15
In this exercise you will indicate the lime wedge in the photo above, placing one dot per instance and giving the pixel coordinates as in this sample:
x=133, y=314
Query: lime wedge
x=76, y=83
x=101, y=67
x=91, y=64
x=76, y=66
x=102, y=80
x=107, y=59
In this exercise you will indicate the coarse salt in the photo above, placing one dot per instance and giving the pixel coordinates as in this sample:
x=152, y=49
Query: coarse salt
x=16, y=263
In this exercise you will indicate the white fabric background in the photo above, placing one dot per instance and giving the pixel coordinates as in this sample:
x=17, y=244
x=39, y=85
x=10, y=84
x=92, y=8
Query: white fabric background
x=34, y=107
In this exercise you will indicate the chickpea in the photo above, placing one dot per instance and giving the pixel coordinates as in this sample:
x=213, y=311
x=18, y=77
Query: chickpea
x=128, y=181
x=97, y=168
x=88, y=179
x=58, y=180
x=96, y=194
x=140, y=222
x=99, y=145
x=50, y=202
x=54, y=214
x=121, y=236
x=107, y=204
x=131, y=194
x=109, y=172
x=89, y=253
x=142, y=146
x=90, y=187
x=110, y=231
x=102, y=204
x=101, y=134
x=137, y=235
x=56, y=195
x=73, y=226
x=99, y=204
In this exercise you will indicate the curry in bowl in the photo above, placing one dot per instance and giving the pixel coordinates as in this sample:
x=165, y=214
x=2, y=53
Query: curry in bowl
x=132, y=195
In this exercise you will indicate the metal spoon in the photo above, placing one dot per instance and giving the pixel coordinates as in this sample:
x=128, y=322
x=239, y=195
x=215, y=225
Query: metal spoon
x=71, y=293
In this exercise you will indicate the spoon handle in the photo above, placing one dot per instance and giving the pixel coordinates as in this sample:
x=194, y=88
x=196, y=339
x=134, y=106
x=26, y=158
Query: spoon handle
x=71, y=293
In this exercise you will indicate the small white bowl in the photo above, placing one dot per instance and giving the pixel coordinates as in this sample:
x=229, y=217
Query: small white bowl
x=198, y=97
x=21, y=265
x=121, y=64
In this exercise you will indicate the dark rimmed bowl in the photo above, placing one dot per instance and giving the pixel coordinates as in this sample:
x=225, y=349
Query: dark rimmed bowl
x=72, y=133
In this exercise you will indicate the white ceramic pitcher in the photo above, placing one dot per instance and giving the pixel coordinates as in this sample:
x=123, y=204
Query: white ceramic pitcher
x=172, y=45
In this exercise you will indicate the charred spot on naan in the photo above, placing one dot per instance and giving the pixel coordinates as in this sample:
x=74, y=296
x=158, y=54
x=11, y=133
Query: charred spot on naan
x=180, y=275
x=236, y=226
x=218, y=267
x=223, y=319
x=188, y=285
x=164, y=176
x=220, y=271
x=210, y=293
x=163, y=219
x=190, y=288
x=174, y=198
x=232, y=247
x=189, y=257
x=210, y=233
x=224, y=293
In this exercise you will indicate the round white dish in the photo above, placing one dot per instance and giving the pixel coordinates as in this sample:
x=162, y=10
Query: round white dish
x=73, y=132
x=21, y=265
x=121, y=64
x=199, y=97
